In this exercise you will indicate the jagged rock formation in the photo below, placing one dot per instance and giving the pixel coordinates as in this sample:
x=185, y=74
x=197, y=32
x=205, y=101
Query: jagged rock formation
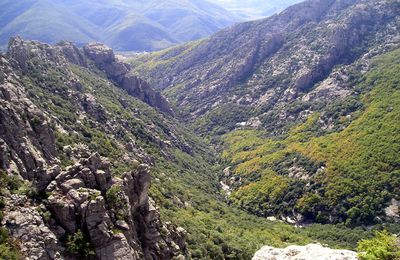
x=317, y=136
x=104, y=58
x=81, y=200
x=38, y=240
x=309, y=252
x=26, y=137
x=101, y=55
x=115, y=214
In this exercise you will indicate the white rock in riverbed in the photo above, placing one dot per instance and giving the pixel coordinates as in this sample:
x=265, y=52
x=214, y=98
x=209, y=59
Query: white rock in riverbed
x=308, y=252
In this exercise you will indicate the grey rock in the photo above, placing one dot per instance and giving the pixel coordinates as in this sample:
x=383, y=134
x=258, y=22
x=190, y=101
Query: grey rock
x=36, y=239
x=78, y=193
x=99, y=53
x=28, y=141
x=104, y=58
x=72, y=53
x=309, y=252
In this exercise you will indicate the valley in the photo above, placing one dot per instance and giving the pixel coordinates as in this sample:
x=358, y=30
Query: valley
x=279, y=109
x=267, y=134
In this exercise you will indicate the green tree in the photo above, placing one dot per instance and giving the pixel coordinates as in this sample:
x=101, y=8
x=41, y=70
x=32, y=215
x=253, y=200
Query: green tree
x=79, y=244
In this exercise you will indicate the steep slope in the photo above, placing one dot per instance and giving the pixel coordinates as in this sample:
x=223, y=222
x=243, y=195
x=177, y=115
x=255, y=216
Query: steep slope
x=349, y=175
x=189, y=20
x=77, y=153
x=286, y=80
x=289, y=52
x=125, y=25
x=102, y=206
x=31, y=19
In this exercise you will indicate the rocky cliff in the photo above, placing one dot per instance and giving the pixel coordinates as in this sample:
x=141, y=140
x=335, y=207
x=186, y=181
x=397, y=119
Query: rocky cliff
x=269, y=63
x=70, y=203
x=104, y=58
x=95, y=54
x=303, y=107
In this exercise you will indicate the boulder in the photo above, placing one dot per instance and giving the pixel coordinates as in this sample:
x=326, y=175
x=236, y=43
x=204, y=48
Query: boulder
x=308, y=252
x=25, y=223
x=72, y=53
x=99, y=53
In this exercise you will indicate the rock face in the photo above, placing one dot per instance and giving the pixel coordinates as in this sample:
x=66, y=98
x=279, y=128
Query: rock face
x=26, y=224
x=309, y=252
x=22, y=51
x=115, y=214
x=270, y=62
x=120, y=220
x=104, y=58
x=27, y=142
x=393, y=210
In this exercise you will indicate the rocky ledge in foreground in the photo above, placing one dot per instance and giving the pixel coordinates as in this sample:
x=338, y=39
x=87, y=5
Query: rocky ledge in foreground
x=308, y=252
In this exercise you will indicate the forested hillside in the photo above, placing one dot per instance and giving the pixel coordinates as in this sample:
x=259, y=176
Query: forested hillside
x=300, y=107
x=124, y=25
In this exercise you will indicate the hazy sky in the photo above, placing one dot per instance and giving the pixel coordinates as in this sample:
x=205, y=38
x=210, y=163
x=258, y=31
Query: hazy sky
x=255, y=9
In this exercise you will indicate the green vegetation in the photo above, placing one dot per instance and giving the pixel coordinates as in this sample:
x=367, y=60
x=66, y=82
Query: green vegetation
x=184, y=167
x=349, y=175
x=383, y=246
x=15, y=185
x=148, y=26
x=8, y=247
x=79, y=244
x=115, y=198
x=218, y=231
x=162, y=58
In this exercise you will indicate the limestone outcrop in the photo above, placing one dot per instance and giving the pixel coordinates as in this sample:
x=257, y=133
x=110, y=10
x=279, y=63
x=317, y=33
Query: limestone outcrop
x=104, y=58
x=309, y=252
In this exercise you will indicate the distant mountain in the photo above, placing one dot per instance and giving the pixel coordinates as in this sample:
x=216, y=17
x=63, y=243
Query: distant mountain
x=124, y=25
x=255, y=9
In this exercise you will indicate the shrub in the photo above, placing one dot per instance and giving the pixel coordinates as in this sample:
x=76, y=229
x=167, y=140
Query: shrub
x=28, y=190
x=2, y=203
x=3, y=235
x=10, y=182
x=8, y=247
x=8, y=253
x=115, y=198
x=79, y=244
x=382, y=247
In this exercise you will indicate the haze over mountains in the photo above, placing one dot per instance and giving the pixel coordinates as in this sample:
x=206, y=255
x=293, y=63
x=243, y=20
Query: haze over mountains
x=255, y=9
x=125, y=25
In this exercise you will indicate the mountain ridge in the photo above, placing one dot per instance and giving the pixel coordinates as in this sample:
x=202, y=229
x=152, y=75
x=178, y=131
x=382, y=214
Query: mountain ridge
x=128, y=26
